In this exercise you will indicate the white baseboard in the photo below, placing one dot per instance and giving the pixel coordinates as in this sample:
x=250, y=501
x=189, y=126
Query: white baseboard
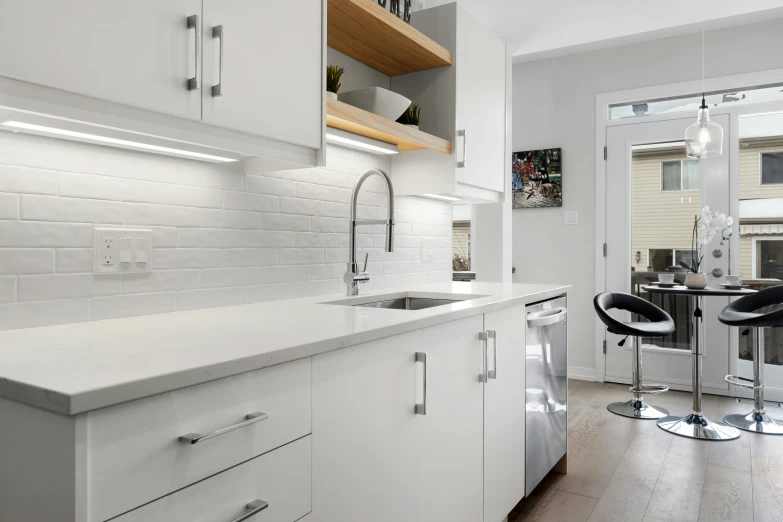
x=581, y=373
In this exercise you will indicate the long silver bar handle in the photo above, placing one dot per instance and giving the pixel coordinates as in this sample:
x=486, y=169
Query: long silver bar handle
x=193, y=84
x=421, y=409
x=492, y=334
x=464, y=136
x=255, y=507
x=217, y=89
x=485, y=374
x=250, y=418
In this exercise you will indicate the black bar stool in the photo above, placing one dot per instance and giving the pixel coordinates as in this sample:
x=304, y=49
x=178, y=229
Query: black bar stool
x=660, y=325
x=742, y=313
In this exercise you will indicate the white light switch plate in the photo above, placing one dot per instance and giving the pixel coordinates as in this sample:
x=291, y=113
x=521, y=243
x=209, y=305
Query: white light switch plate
x=122, y=250
x=427, y=250
x=571, y=217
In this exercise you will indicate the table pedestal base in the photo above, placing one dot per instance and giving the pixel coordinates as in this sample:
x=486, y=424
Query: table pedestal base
x=637, y=409
x=757, y=422
x=697, y=427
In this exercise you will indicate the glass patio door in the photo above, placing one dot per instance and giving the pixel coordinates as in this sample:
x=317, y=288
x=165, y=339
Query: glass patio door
x=759, y=241
x=653, y=194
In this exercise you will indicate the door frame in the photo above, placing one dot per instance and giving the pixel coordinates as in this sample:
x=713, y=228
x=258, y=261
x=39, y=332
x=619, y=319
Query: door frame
x=602, y=122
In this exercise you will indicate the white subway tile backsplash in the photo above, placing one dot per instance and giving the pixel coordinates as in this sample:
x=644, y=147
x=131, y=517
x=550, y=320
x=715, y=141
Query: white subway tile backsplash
x=221, y=234
x=251, y=202
x=74, y=260
x=268, y=292
x=66, y=286
x=208, y=298
x=159, y=281
x=9, y=206
x=132, y=305
x=172, y=258
x=304, y=207
x=315, y=240
x=222, y=277
x=286, y=222
x=7, y=289
x=69, y=210
x=270, y=186
x=22, y=180
x=162, y=215
x=17, y=261
x=43, y=313
x=301, y=256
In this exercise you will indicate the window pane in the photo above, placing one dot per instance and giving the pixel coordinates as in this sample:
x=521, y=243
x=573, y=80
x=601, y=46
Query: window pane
x=691, y=174
x=660, y=259
x=686, y=256
x=770, y=259
x=670, y=175
x=771, y=167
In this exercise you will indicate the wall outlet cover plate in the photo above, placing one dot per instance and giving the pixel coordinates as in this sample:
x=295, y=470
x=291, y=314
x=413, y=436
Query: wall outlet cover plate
x=122, y=250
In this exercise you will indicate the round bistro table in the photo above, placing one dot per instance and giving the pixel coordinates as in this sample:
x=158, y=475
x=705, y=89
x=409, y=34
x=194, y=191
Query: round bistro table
x=696, y=425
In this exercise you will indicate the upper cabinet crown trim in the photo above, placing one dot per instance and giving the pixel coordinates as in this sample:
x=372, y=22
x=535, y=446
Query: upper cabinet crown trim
x=370, y=34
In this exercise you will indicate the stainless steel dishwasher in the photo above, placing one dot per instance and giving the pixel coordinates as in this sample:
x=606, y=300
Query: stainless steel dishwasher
x=546, y=389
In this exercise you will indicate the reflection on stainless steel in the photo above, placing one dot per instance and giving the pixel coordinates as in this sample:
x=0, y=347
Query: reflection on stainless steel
x=546, y=390
x=409, y=303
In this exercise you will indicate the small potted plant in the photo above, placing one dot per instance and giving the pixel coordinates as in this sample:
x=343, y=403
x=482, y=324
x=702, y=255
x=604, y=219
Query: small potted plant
x=705, y=228
x=411, y=116
x=333, y=75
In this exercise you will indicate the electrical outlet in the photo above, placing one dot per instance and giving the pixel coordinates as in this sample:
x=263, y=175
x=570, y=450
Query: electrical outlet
x=107, y=251
x=426, y=250
x=117, y=248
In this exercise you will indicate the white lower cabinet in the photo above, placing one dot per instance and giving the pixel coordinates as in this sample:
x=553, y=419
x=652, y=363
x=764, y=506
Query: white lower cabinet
x=374, y=457
x=504, y=413
x=274, y=487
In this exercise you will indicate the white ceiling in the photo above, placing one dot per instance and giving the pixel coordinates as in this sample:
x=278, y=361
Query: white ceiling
x=535, y=29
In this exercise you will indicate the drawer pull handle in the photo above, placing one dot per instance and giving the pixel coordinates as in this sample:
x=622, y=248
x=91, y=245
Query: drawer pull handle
x=255, y=507
x=250, y=418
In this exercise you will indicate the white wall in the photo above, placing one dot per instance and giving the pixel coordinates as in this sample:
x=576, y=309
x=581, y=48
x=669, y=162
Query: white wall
x=220, y=237
x=554, y=106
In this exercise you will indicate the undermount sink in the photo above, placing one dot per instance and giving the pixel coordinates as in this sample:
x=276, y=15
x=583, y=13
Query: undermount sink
x=404, y=301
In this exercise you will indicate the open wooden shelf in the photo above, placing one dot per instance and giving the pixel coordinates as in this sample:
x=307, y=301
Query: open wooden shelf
x=372, y=35
x=352, y=119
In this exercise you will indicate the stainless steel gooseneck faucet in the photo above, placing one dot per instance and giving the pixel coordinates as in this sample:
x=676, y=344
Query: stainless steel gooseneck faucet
x=353, y=276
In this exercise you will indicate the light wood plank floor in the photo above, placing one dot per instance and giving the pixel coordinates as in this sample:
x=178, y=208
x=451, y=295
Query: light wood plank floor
x=626, y=470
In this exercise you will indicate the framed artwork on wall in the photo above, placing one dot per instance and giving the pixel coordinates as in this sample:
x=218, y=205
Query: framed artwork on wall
x=537, y=178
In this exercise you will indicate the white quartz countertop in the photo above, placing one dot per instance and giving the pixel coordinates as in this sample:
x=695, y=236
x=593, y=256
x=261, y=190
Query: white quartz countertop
x=76, y=368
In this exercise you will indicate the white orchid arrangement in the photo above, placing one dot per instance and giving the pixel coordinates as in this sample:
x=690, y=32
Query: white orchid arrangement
x=705, y=228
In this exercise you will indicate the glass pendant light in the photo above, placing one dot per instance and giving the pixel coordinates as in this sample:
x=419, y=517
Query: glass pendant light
x=703, y=139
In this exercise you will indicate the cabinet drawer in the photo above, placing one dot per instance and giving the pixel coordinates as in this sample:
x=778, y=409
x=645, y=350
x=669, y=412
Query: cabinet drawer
x=280, y=478
x=134, y=451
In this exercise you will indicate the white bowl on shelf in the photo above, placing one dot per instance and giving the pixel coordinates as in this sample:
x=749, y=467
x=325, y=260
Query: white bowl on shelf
x=377, y=100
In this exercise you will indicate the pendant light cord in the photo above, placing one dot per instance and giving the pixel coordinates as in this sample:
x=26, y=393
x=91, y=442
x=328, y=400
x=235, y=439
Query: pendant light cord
x=703, y=103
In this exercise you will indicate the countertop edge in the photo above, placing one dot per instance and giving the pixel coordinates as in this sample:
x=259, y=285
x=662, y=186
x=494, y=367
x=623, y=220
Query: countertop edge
x=74, y=404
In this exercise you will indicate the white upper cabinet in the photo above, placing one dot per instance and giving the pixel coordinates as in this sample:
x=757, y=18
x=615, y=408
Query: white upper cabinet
x=481, y=105
x=138, y=53
x=264, y=75
x=464, y=103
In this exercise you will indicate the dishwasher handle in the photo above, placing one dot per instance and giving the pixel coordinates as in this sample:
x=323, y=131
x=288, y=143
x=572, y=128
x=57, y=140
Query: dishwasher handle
x=546, y=317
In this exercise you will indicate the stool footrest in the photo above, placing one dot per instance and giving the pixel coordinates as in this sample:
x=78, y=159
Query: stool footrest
x=735, y=380
x=649, y=388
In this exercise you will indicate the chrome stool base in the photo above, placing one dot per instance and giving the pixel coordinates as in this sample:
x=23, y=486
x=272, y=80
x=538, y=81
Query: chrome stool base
x=637, y=409
x=697, y=427
x=755, y=422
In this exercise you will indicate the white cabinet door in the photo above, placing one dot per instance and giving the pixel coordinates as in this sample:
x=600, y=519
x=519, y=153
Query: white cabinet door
x=481, y=105
x=270, y=78
x=504, y=413
x=452, y=431
x=365, y=433
x=139, y=53
x=374, y=458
